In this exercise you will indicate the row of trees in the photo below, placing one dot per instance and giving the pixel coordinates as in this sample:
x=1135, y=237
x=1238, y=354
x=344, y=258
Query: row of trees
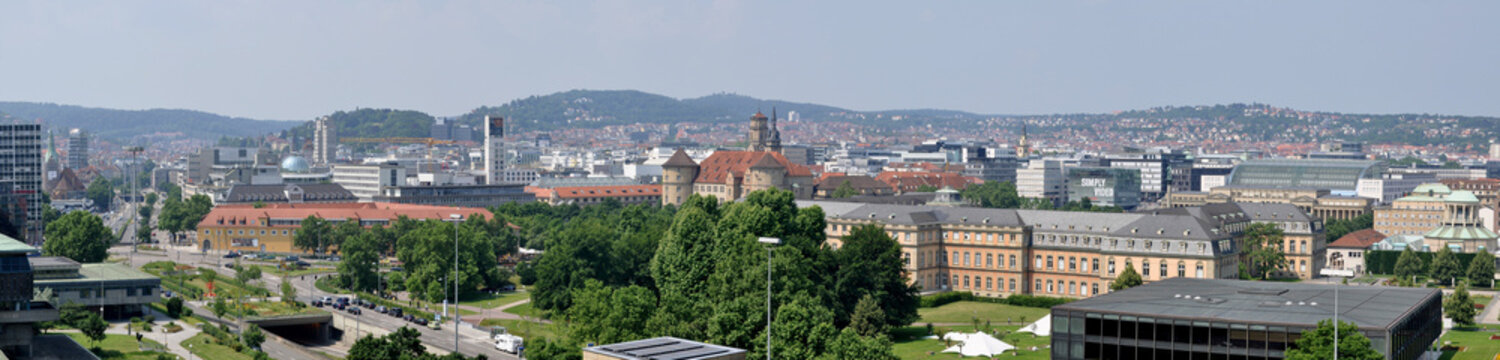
x=1445, y=268
x=179, y=215
x=425, y=247
x=706, y=280
x=1337, y=228
x=1003, y=195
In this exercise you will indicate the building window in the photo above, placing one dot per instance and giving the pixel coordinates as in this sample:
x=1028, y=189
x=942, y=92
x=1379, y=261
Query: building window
x=1012, y=285
x=1072, y=264
x=1303, y=268
x=1096, y=264
x=966, y=259
x=966, y=281
x=989, y=260
x=1111, y=266
x=1145, y=268
x=1072, y=288
x=989, y=283
x=955, y=280
x=1049, y=286
x=1049, y=262
x=1181, y=269
x=1039, y=286
x=1200, y=270
x=1163, y=269
x=1012, y=261
x=955, y=256
x=1096, y=288
x=1039, y=264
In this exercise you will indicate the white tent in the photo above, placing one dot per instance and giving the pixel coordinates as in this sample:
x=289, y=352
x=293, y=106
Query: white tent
x=976, y=344
x=1041, y=327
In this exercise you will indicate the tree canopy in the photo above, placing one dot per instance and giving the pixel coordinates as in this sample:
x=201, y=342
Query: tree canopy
x=1460, y=307
x=1445, y=268
x=1482, y=269
x=1263, y=246
x=80, y=236
x=1128, y=278
x=1317, y=343
x=1409, y=265
x=101, y=191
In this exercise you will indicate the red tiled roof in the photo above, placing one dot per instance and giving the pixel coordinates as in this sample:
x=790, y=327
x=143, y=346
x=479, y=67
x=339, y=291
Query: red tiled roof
x=573, y=192
x=908, y=181
x=717, y=168
x=248, y=215
x=1358, y=239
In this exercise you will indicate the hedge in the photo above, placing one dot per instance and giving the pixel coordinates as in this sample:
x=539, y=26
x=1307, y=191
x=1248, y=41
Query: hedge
x=940, y=299
x=1383, y=262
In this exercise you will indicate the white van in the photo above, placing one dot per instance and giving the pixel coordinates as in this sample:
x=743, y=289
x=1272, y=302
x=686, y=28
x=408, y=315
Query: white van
x=508, y=343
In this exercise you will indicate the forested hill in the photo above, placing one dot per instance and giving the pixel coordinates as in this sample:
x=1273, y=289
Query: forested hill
x=114, y=123
x=372, y=123
x=593, y=108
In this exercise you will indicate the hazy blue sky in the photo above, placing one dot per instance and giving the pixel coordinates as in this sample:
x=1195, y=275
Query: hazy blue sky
x=300, y=59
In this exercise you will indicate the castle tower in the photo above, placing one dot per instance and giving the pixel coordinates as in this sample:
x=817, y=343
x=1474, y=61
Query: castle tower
x=766, y=173
x=757, y=138
x=677, y=178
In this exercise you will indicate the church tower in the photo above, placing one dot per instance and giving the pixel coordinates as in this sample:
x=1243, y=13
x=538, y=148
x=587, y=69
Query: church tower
x=758, y=132
x=1023, y=150
x=774, y=143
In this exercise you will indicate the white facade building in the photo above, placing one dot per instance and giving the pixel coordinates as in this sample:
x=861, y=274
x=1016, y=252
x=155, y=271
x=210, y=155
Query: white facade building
x=365, y=181
x=1042, y=179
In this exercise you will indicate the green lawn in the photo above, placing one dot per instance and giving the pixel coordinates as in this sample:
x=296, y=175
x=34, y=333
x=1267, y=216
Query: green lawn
x=910, y=345
x=488, y=301
x=272, y=269
x=121, y=347
x=204, y=347
x=525, y=310
x=526, y=329
x=278, y=308
x=1473, y=343
x=965, y=312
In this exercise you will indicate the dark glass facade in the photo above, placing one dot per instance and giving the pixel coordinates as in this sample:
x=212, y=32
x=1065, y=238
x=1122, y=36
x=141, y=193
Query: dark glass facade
x=1095, y=335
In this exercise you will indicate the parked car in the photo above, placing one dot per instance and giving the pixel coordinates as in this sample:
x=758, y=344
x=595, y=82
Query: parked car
x=395, y=312
x=368, y=305
x=435, y=325
x=293, y=258
x=302, y=264
x=421, y=321
x=355, y=310
x=317, y=303
x=334, y=258
x=249, y=257
x=229, y=265
x=326, y=299
x=340, y=306
x=380, y=309
x=408, y=318
x=232, y=254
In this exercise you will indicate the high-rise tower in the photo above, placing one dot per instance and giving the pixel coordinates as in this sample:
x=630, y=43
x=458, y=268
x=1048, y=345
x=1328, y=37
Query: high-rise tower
x=21, y=167
x=78, y=149
x=494, y=149
x=325, y=141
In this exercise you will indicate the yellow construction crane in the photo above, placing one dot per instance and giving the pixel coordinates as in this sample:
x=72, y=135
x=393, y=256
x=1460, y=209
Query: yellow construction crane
x=398, y=140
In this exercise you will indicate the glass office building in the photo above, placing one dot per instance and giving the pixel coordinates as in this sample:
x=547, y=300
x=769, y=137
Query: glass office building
x=1105, y=186
x=1210, y=319
x=1337, y=176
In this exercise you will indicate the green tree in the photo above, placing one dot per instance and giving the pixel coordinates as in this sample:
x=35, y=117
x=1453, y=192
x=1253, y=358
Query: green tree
x=868, y=319
x=402, y=344
x=605, y=315
x=143, y=232
x=1409, y=265
x=870, y=263
x=803, y=327
x=219, y=307
x=1263, y=244
x=1482, y=269
x=174, y=307
x=80, y=236
x=927, y=188
x=1336, y=229
x=1445, y=268
x=545, y=348
x=314, y=235
x=247, y=274
x=851, y=345
x=343, y=232
x=151, y=200
x=845, y=190
x=208, y=275
x=92, y=325
x=1317, y=343
x=428, y=252
x=1128, y=278
x=357, y=269
x=1460, y=307
x=288, y=292
x=994, y=195
x=101, y=191
x=252, y=336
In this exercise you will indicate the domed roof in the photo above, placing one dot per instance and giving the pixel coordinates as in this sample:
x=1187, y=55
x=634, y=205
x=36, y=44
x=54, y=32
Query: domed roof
x=295, y=164
x=1431, y=189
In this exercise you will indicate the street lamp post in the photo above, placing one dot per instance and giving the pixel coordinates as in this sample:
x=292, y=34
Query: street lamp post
x=770, y=242
x=1340, y=273
x=456, y=218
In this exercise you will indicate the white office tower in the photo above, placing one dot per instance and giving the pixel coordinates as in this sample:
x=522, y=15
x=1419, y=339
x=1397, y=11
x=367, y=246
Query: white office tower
x=494, y=150
x=21, y=174
x=325, y=141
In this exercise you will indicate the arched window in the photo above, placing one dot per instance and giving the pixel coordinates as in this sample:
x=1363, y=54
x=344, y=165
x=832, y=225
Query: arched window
x=1303, y=268
x=1012, y=261
x=1012, y=285
x=989, y=283
x=966, y=258
x=966, y=281
x=1050, y=289
x=1039, y=263
x=1039, y=285
x=1096, y=288
x=1083, y=289
x=1304, y=247
x=1072, y=288
x=1096, y=264
x=989, y=260
x=956, y=258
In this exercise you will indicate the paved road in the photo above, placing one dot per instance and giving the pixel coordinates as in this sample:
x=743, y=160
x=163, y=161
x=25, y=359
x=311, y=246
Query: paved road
x=471, y=341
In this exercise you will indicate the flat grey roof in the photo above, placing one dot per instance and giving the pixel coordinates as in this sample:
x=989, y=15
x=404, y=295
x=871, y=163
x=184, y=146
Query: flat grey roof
x=664, y=348
x=1257, y=302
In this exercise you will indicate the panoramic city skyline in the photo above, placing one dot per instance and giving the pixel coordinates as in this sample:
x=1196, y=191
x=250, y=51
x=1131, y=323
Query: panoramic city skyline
x=262, y=60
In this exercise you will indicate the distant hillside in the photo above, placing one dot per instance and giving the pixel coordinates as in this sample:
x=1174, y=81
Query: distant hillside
x=112, y=123
x=371, y=123
x=593, y=108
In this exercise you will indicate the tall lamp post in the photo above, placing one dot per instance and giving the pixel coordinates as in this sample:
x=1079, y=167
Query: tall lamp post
x=1339, y=273
x=770, y=244
x=456, y=219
